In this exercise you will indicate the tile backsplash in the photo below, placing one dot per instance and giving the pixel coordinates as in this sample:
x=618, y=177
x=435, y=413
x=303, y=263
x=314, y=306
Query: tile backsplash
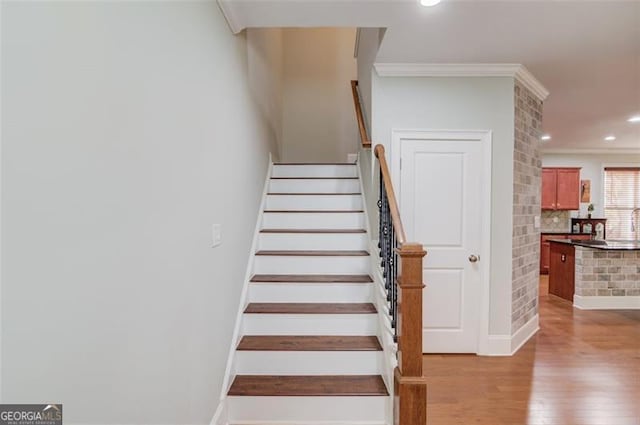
x=549, y=224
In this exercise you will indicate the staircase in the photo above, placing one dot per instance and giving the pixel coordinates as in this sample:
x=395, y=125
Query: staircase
x=309, y=350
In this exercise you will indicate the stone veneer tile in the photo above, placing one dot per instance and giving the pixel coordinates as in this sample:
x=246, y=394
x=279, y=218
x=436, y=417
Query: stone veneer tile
x=561, y=224
x=616, y=275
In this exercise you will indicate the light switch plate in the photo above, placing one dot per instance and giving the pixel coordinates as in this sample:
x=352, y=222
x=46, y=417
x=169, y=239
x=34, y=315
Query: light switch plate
x=216, y=235
x=536, y=222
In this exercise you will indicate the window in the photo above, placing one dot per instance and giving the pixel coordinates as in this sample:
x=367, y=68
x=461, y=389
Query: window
x=622, y=202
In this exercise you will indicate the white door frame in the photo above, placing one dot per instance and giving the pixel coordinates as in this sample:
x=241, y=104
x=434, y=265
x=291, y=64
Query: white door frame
x=486, y=138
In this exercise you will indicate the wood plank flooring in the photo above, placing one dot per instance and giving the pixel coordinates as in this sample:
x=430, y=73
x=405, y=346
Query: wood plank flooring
x=582, y=368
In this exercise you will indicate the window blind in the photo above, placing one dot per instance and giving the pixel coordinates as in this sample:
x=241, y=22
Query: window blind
x=622, y=202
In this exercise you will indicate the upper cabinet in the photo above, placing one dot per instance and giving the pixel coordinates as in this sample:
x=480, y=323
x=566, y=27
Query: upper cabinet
x=560, y=188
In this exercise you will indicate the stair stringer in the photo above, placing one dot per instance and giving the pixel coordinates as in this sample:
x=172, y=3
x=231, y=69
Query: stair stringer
x=220, y=416
x=379, y=299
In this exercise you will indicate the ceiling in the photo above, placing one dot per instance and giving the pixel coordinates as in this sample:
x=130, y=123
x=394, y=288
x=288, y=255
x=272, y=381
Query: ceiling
x=586, y=53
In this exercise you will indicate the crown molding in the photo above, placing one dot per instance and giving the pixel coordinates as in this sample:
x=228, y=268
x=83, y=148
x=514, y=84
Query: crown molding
x=592, y=151
x=232, y=21
x=514, y=70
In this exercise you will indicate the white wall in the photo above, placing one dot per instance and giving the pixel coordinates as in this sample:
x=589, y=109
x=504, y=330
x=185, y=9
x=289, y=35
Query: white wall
x=266, y=78
x=457, y=104
x=591, y=169
x=368, y=45
x=319, y=123
x=128, y=129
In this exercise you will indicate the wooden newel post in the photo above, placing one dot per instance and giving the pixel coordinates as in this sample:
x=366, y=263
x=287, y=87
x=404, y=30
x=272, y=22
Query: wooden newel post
x=410, y=386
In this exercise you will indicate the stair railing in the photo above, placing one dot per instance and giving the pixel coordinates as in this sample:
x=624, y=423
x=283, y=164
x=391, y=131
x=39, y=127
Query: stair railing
x=402, y=272
x=401, y=263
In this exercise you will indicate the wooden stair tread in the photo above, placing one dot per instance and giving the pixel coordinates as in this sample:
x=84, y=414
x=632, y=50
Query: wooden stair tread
x=314, y=163
x=314, y=178
x=308, y=343
x=310, y=308
x=313, y=278
x=312, y=385
x=314, y=211
x=312, y=253
x=313, y=193
x=313, y=231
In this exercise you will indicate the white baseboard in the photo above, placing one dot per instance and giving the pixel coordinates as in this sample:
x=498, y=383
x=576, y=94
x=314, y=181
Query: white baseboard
x=606, y=303
x=508, y=345
x=496, y=345
x=220, y=415
x=524, y=334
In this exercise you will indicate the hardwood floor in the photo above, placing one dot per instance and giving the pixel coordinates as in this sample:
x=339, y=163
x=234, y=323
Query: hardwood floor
x=581, y=368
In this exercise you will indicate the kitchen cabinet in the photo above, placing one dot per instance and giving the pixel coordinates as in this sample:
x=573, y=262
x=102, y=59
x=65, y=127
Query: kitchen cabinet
x=545, y=247
x=562, y=275
x=560, y=188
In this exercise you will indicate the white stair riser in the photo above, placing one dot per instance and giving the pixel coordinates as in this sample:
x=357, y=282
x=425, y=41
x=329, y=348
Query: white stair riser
x=308, y=409
x=310, y=292
x=313, y=202
x=314, y=186
x=275, y=264
x=309, y=324
x=314, y=171
x=312, y=241
x=313, y=220
x=309, y=362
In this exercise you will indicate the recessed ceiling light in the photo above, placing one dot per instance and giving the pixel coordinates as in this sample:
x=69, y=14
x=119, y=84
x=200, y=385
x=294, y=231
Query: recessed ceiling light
x=610, y=138
x=429, y=3
x=545, y=137
x=635, y=118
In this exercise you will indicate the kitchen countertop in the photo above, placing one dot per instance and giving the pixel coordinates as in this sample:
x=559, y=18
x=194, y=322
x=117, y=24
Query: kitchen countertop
x=608, y=245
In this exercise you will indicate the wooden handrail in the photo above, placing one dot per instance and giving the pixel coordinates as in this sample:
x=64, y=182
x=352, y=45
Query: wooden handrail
x=366, y=142
x=393, y=203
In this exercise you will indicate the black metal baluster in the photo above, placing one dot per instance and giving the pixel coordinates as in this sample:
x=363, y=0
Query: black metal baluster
x=388, y=257
x=392, y=279
x=395, y=290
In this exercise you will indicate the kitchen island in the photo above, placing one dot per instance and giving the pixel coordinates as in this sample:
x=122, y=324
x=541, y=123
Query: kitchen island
x=596, y=274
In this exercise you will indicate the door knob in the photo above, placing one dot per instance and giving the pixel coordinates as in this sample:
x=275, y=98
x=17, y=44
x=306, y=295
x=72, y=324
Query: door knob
x=474, y=258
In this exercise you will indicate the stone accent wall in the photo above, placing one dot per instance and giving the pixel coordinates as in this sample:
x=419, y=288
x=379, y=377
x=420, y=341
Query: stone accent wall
x=526, y=205
x=563, y=224
x=607, y=273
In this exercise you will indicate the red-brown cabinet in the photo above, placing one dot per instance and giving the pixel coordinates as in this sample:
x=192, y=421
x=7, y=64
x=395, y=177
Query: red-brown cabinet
x=562, y=270
x=560, y=188
x=545, y=247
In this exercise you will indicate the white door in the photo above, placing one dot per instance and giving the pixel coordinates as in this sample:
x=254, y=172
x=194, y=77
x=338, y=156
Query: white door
x=441, y=202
